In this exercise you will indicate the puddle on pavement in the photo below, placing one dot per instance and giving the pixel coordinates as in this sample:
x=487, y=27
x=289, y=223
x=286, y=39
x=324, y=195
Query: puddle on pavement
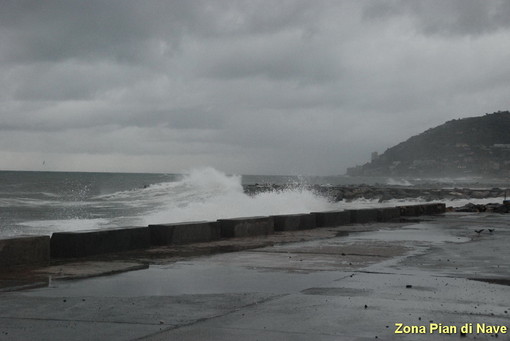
x=423, y=232
x=188, y=278
x=500, y=281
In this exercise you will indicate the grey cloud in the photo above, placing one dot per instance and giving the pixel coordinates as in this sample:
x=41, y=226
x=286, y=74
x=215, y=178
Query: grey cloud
x=111, y=140
x=53, y=31
x=129, y=32
x=62, y=118
x=67, y=81
x=446, y=17
x=195, y=118
x=279, y=58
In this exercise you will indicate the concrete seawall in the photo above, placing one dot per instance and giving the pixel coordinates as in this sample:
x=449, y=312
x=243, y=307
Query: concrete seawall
x=332, y=218
x=388, y=214
x=363, y=216
x=435, y=208
x=417, y=210
x=291, y=222
x=246, y=227
x=24, y=251
x=94, y=242
x=184, y=233
x=33, y=251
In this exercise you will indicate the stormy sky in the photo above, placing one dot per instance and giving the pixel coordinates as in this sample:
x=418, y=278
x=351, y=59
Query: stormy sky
x=251, y=87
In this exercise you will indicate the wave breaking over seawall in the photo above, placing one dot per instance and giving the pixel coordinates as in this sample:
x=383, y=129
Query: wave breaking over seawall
x=84, y=201
x=208, y=194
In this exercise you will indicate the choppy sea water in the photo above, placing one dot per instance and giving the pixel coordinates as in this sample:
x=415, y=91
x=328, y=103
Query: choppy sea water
x=46, y=202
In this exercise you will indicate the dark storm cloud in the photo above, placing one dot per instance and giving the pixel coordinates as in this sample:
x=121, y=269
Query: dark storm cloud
x=129, y=31
x=51, y=31
x=247, y=86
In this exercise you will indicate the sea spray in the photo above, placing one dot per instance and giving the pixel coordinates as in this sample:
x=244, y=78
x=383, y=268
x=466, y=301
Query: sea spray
x=398, y=182
x=208, y=194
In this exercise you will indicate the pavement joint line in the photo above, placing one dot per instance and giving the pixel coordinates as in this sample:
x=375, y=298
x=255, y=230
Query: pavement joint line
x=24, y=287
x=84, y=321
x=319, y=253
x=174, y=327
x=170, y=328
x=342, y=278
x=203, y=319
x=381, y=273
x=291, y=270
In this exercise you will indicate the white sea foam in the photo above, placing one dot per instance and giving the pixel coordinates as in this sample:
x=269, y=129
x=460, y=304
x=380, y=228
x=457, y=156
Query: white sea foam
x=33, y=202
x=63, y=225
x=399, y=182
x=207, y=194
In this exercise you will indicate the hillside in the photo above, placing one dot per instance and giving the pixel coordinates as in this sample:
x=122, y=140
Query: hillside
x=470, y=146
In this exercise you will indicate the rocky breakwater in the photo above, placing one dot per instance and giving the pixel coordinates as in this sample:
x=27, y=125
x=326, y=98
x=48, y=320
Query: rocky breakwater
x=383, y=193
x=491, y=207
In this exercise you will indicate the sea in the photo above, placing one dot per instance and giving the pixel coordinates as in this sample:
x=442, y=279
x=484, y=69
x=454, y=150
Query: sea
x=40, y=203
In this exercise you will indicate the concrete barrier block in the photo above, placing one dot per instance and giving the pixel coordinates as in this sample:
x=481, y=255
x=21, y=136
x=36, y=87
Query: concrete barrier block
x=332, y=218
x=388, y=213
x=184, y=233
x=431, y=209
x=411, y=210
x=363, y=216
x=289, y=222
x=417, y=210
x=246, y=227
x=94, y=242
x=24, y=251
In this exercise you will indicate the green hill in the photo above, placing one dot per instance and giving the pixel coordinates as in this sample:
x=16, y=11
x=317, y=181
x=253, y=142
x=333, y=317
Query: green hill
x=470, y=146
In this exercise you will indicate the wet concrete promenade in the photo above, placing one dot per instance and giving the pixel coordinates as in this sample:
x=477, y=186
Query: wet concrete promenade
x=356, y=282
